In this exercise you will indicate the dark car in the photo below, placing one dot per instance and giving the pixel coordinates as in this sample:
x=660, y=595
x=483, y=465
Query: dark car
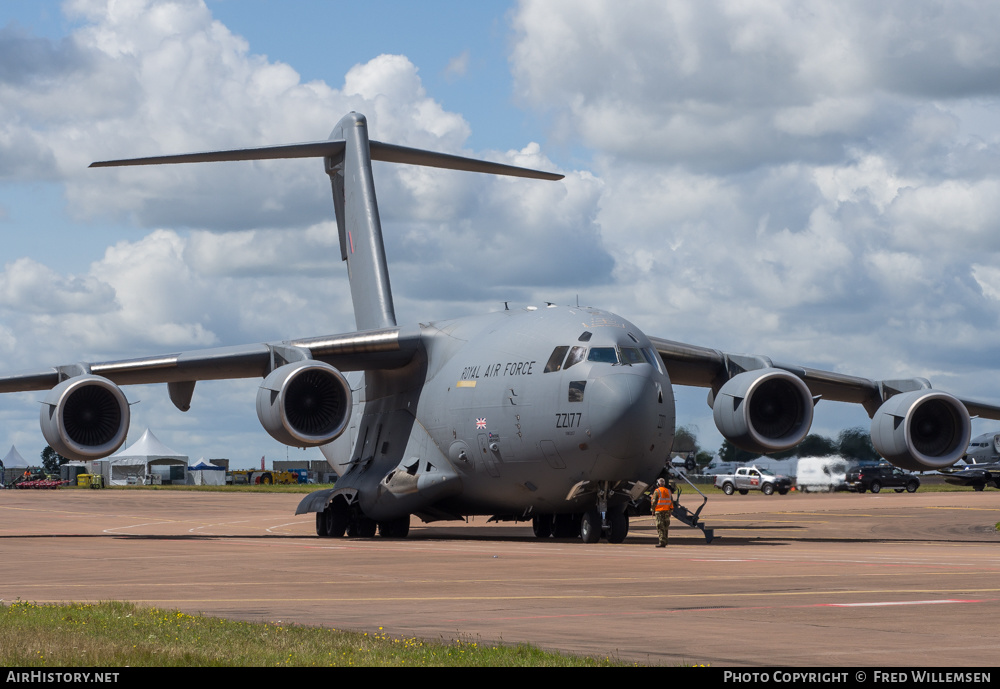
x=879, y=476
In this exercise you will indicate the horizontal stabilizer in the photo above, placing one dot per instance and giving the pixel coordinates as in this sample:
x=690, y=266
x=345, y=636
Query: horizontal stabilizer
x=389, y=153
x=314, y=149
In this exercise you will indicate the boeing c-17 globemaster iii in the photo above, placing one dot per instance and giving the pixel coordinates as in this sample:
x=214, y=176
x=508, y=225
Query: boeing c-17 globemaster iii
x=558, y=414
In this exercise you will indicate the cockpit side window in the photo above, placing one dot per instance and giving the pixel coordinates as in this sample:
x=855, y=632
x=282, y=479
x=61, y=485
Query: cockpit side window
x=631, y=355
x=576, y=355
x=555, y=361
x=653, y=358
x=603, y=355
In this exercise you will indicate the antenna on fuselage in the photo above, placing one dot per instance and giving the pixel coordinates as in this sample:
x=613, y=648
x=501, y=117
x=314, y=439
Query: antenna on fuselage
x=347, y=157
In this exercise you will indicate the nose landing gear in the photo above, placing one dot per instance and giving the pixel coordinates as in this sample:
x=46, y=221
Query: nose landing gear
x=598, y=521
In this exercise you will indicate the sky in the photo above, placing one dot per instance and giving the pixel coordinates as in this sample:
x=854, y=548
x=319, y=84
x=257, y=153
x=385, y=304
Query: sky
x=815, y=182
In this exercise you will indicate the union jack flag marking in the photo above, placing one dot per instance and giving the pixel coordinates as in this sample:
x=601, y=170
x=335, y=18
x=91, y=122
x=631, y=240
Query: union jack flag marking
x=481, y=423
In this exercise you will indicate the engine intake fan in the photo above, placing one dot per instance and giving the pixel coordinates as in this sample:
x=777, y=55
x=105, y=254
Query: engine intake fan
x=85, y=418
x=304, y=404
x=767, y=410
x=922, y=430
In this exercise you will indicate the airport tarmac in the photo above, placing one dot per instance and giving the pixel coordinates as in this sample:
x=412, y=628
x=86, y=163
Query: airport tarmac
x=828, y=580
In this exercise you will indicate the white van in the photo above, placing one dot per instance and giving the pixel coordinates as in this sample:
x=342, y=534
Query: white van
x=822, y=474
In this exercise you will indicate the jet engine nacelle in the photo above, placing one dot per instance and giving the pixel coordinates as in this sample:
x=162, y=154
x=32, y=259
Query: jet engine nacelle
x=304, y=404
x=922, y=430
x=85, y=417
x=767, y=410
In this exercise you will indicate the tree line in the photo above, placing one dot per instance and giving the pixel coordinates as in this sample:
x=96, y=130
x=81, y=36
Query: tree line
x=852, y=443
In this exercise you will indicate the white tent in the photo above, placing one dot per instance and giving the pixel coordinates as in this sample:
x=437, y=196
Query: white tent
x=14, y=460
x=144, y=458
x=14, y=465
x=203, y=473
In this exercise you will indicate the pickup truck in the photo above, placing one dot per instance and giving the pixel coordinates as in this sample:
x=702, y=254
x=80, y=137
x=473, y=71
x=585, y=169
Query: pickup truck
x=747, y=479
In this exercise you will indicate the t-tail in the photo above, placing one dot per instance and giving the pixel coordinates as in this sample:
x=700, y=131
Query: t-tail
x=348, y=156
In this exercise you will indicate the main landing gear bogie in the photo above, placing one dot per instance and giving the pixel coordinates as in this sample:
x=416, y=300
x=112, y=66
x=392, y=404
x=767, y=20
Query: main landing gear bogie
x=589, y=526
x=339, y=519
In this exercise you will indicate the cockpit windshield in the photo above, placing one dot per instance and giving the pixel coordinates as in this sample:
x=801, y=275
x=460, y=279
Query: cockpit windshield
x=603, y=355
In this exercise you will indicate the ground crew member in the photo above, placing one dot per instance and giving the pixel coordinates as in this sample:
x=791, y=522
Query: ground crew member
x=663, y=505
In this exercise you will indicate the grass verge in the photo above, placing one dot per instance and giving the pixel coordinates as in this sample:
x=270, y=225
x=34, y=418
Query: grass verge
x=115, y=634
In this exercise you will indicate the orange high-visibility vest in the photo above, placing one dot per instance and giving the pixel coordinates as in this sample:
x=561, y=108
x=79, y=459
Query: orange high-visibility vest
x=664, y=502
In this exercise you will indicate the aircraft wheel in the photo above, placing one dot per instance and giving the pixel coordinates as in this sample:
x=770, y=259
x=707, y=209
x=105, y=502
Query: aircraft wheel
x=541, y=525
x=361, y=527
x=590, y=526
x=768, y=489
x=876, y=486
x=743, y=491
x=978, y=487
x=619, y=527
x=331, y=523
x=728, y=489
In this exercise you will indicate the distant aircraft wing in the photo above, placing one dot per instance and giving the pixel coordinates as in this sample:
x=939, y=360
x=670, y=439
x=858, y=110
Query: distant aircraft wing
x=976, y=475
x=765, y=406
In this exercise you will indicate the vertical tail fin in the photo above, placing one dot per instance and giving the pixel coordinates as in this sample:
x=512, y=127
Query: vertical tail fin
x=358, y=221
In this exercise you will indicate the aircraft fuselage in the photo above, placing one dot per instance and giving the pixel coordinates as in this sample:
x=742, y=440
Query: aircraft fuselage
x=512, y=410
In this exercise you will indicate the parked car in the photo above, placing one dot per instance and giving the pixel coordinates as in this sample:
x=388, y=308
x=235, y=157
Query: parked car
x=752, y=478
x=875, y=477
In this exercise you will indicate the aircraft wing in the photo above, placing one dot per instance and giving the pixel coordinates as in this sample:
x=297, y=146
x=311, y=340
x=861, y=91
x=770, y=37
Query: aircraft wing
x=304, y=399
x=364, y=350
x=765, y=406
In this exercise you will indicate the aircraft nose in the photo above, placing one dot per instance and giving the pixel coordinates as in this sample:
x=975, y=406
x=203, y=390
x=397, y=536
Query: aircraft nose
x=623, y=413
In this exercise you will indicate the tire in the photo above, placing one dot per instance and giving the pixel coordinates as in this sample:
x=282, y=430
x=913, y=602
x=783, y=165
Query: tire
x=362, y=527
x=782, y=491
x=767, y=489
x=728, y=489
x=876, y=486
x=266, y=480
x=590, y=526
x=331, y=523
x=541, y=525
x=912, y=486
x=619, y=527
x=979, y=487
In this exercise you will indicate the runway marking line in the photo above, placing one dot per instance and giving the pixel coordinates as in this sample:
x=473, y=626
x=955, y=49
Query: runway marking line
x=714, y=609
x=901, y=602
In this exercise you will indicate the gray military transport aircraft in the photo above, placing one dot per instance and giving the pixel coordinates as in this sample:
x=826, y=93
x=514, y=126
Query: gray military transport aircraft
x=558, y=414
